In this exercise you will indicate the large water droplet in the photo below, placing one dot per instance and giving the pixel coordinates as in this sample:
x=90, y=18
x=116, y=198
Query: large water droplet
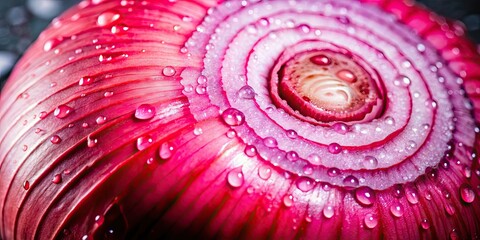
x=334, y=148
x=246, y=92
x=165, y=151
x=91, y=142
x=57, y=179
x=264, y=172
x=26, y=185
x=347, y=75
x=291, y=134
x=144, y=142
x=314, y=159
x=233, y=117
x=371, y=220
x=145, y=111
x=250, y=150
x=235, y=177
x=332, y=172
x=62, y=111
x=321, y=60
x=107, y=18
x=270, y=142
x=350, y=181
x=168, y=71
x=101, y=120
x=55, y=139
x=467, y=193
x=425, y=224
x=288, y=200
x=305, y=184
x=292, y=156
x=341, y=128
x=370, y=162
x=365, y=195
x=328, y=211
x=412, y=194
x=397, y=209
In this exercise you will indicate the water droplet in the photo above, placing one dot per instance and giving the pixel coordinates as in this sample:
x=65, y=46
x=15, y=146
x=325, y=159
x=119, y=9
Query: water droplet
x=165, y=151
x=365, y=196
x=314, y=159
x=402, y=81
x=233, y=117
x=412, y=194
x=350, y=181
x=144, y=142
x=91, y=142
x=43, y=115
x=57, y=179
x=425, y=224
x=390, y=120
x=421, y=48
x=52, y=43
x=24, y=148
x=201, y=89
x=85, y=125
x=341, y=128
x=332, y=172
x=292, y=156
x=84, y=81
x=291, y=134
x=371, y=220
x=26, y=185
x=55, y=139
x=321, y=60
x=307, y=170
x=107, y=18
x=334, y=148
x=197, y=131
x=346, y=75
x=370, y=162
x=118, y=29
x=235, y=177
x=467, y=171
x=397, y=210
x=250, y=150
x=305, y=184
x=264, y=172
x=328, y=211
x=270, y=142
x=62, y=111
x=168, y=71
x=288, y=200
x=145, y=111
x=231, y=133
x=467, y=193
x=246, y=92
x=101, y=120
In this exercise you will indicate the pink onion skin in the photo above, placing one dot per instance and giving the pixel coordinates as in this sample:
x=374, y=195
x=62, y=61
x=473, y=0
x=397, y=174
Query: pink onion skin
x=159, y=177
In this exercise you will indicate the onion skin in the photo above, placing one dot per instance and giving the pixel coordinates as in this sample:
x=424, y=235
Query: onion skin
x=102, y=137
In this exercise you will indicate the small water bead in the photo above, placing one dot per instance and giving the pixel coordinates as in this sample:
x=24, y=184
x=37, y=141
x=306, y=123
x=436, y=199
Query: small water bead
x=235, y=177
x=305, y=184
x=233, y=117
x=371, y=220
x=118, y=29
x=411, y=194
x=55, y=139
x=270, y=142
x=85, y=125
x=467, y=171
x=328, y=211
x=52, y=43
x=264, y=172
x=85, y=81
x=314, y=159
x=62, y=111
x=101, y=120
x=200, y=89
x=346, y=75
x=365, y=196
x=57, y=179
x=467, y=193
x=145, y=112
x=304, y=28
x=370, y=162
x=341, y=128
x=250, y=150
x=397, y=210
x=292, y=156
x=450, y=209
x=350, y=181
x=165, y=151
x=402, y=81
x=307, y=170
x=288, y=200
x=425, y=224
x=231, y=133
x=246, y=92
x=168, y=71
x=108, y=94
x=421, y=48
x=24, y=148
x=321, y=60
x=107, y=18
x=197, y=131
x=144, y=142
x=43, y=115
x=291, y=134
x=334, y=148
x=406, y=64
x=332, y=172
x=26, y=185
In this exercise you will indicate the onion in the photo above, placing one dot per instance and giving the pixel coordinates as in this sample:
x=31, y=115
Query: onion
x=243, y=119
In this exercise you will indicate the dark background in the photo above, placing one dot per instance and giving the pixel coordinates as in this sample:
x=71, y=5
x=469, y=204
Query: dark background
x=22, y=20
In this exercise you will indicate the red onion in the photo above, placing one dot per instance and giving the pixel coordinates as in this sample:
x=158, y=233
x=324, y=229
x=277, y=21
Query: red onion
x=243, y=119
